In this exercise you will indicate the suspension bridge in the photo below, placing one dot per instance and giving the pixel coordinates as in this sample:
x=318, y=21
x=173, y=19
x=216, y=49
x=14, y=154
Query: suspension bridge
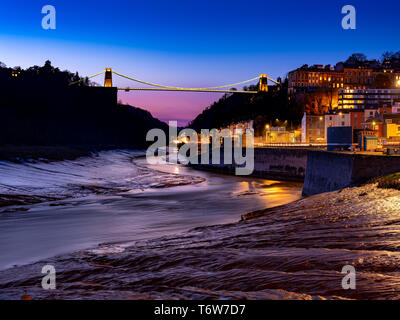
x=108, y=82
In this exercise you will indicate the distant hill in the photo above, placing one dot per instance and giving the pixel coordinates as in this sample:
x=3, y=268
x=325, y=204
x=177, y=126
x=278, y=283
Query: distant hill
x=263, y=107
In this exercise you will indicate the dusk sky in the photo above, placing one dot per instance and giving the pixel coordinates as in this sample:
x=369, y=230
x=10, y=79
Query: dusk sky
x=192, y=43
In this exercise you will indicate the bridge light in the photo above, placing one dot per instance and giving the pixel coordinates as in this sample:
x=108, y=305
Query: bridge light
x=108, y=78
x=263, y=83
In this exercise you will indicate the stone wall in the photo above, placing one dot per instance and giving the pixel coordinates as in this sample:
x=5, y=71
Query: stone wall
x=272, y=163
x=330, y=171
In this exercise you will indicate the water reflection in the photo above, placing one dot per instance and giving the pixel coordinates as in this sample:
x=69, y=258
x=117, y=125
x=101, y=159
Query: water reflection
x=117, y=198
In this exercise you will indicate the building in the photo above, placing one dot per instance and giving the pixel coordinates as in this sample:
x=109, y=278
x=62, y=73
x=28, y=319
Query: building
x=396, y=108
x=367, y=98
x=336, y=120
x=357, y=119
x=391, y=130
x=342, y=76
x=337, y=85
x=370, y=143
x=391, y=126
x=240, y=127
x=358, y=78
x=313, y=129
x=313, y=77
x=281, y=135
x=375, y=124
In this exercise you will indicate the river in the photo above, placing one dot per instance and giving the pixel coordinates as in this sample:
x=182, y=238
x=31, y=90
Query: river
x=115, y=197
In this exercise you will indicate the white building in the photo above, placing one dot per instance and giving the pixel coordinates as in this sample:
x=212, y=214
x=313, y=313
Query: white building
x=337, y=120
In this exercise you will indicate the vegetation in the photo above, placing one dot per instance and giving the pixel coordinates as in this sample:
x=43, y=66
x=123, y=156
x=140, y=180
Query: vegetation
x=274, y=107
x=388, y=60
x=391, y=181
x=47, y=75
x=39, y=108
x=356, y=59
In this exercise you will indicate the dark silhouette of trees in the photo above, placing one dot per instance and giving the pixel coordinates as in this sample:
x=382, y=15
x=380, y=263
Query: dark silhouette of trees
x=389, y=60
x=356, y=59
x=47, y=75
x=38, y=107
x=263, y=107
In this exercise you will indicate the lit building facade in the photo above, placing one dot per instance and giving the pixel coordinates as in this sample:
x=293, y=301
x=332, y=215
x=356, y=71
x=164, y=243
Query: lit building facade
x=281, y=135
x=338, y=84
x=313, y=129
x=391, y=126
x=340, y=77
x=367, y=98
x=336, y=120
x=396, y=108
x=314, y=77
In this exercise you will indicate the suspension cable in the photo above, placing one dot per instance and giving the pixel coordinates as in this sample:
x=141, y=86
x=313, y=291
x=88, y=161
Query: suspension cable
x=95, y=75
x=186, y=89
x=178, y=88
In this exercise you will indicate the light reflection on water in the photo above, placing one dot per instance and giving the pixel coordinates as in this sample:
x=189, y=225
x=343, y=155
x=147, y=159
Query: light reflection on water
x=112, y=199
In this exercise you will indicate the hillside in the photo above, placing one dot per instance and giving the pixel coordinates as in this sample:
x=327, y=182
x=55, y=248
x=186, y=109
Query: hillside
x=38, y=107
x=263, y=107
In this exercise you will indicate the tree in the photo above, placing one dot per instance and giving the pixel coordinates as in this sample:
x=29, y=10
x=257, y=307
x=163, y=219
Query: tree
x=387, y=55
x=356, y=59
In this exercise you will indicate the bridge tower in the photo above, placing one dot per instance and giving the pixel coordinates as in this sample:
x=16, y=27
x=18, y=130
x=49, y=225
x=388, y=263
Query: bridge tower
x=263, y=83
x=108, y=78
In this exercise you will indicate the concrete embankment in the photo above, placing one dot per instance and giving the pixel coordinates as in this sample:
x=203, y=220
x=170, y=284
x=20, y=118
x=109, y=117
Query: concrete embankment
x=271, y=163
x=321, y=171
x=330, y=171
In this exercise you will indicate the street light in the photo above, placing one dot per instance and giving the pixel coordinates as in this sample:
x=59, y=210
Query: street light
x=398, y=83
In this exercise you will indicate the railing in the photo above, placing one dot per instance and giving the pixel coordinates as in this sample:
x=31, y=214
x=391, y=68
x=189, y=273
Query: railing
x=293, y=145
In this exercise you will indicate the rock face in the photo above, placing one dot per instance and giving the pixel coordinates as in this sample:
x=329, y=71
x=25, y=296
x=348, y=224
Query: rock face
x=330, y=171
x=71, y=116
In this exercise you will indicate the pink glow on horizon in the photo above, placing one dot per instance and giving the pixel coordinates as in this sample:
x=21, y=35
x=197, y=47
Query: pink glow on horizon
x=180, y=106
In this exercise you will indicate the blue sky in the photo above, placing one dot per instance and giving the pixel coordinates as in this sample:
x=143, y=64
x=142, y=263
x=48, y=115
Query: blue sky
x=193, y=43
